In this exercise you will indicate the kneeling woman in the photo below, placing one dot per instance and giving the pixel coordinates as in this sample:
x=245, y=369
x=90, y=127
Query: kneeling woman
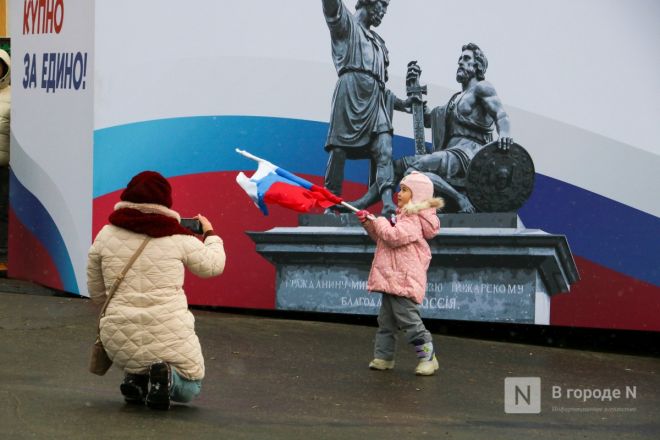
x=147, y=329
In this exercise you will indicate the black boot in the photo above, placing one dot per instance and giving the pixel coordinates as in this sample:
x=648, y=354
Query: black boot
x=160, y=378
x=389, y=208
x=334, y=171
x=134, y=388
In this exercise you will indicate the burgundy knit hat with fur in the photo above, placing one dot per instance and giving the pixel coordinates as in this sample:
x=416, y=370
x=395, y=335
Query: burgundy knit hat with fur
x=148, y=187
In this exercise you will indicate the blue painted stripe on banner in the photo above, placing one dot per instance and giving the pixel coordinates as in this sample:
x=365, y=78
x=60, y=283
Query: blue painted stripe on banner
x=206, y=143
x=605, y=231
x=38, y=221
x=599, y=229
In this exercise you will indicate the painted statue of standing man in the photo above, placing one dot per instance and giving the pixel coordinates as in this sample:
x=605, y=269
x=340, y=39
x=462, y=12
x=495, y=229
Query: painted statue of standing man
x=362, y=107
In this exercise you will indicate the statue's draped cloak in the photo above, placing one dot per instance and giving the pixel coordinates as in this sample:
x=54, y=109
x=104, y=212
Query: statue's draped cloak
x=361, y=105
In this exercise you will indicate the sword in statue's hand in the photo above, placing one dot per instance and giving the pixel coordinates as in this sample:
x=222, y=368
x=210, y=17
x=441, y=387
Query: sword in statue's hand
x=415, y=91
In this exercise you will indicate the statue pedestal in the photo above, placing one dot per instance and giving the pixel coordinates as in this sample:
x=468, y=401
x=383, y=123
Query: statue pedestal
x=495, y=274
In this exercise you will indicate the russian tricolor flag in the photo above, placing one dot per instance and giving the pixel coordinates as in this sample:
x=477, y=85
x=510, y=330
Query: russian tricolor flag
x=271, y=184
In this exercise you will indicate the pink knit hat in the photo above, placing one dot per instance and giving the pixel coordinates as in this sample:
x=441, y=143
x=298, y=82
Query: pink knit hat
x=420, y=185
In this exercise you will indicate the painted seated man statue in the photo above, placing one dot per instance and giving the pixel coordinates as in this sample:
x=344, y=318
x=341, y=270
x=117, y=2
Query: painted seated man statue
x=459, y=129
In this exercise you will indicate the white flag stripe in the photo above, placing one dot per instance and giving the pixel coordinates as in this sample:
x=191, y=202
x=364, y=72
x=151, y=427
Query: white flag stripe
x=263, y=170
x=248, y=186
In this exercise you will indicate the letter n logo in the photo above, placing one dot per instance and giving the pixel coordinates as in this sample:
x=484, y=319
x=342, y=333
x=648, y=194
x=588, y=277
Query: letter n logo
x=522, y=395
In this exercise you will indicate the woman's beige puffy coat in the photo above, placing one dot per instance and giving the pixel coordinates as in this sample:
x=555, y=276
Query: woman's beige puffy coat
x=147, y=319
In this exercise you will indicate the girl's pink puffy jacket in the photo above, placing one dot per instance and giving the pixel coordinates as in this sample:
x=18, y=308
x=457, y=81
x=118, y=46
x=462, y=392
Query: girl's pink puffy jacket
x=402, y=253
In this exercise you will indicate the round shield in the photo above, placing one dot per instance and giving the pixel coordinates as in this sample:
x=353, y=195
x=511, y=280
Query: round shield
x=500, y=181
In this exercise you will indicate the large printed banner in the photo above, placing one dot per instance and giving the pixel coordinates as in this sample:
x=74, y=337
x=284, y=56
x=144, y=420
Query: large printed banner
x=177, y=86
x=51, y=141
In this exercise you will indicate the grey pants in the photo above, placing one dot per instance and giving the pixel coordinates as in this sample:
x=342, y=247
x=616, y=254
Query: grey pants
x=398, y=313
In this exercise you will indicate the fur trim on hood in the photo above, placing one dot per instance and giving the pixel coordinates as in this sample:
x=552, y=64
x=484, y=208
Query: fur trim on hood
x=150, y=208
x=148, y=218
x=415, y=208
x=426, y=210
x=4, y=57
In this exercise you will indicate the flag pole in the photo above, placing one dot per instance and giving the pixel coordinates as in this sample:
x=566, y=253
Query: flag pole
x=250, y=156
x=351, y=207
x=355, y=210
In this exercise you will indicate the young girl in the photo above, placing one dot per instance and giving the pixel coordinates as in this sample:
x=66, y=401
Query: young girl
x=399, y=271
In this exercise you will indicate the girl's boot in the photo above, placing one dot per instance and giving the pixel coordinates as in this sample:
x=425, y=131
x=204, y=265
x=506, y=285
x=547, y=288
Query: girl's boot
x=428, y=364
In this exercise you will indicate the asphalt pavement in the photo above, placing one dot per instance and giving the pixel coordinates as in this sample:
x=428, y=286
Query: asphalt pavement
x=276, y=378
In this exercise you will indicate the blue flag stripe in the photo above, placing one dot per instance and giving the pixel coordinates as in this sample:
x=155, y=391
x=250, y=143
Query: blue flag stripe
x=292, y=177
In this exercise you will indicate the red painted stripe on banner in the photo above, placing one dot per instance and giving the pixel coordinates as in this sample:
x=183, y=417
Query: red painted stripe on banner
x=28, y=254
x=604, y=298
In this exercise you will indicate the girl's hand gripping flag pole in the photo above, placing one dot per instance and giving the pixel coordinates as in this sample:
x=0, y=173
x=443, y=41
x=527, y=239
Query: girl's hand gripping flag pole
x=271, y=184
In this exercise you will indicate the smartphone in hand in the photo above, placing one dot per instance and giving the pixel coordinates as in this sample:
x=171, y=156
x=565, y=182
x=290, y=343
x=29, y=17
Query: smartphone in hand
x=193, y=224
